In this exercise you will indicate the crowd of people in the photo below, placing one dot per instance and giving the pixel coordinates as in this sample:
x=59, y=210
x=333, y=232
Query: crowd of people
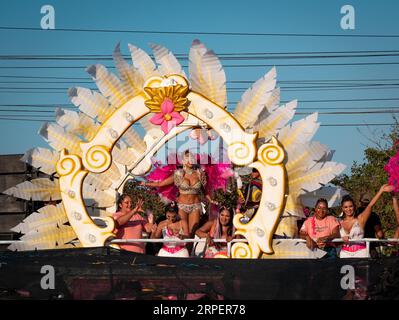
x=321, y=229
x=182, y=219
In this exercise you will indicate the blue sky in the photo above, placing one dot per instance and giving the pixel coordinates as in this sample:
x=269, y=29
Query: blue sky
x=306, y=16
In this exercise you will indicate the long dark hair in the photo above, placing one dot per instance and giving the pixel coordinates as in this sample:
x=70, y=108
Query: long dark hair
x=120, y=200
x=171, y=207
x=230, y=227
x=349, y=198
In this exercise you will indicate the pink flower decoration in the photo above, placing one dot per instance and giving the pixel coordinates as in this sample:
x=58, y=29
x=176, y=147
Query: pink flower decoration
x=167, y=118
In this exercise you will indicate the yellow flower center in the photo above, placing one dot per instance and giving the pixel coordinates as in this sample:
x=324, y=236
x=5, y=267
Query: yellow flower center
x=167, y=117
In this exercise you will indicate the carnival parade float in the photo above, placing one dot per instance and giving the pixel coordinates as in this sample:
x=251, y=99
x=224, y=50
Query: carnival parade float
x=96, y=152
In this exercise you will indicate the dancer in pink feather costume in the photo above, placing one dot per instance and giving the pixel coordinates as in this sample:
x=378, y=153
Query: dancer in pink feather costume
x=190, y=185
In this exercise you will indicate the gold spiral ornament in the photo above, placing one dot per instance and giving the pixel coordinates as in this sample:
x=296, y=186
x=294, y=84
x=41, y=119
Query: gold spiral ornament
x=97, y=159
x=241, y=250
x=67, y=164
x=240, y=153
x=271, y=153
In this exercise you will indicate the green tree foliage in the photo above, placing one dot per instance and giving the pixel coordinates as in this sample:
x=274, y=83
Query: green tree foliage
x=366, y=178
x=152, y=201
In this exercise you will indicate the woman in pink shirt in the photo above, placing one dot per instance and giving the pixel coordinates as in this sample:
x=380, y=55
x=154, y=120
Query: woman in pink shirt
x=321, y=228
x=130, y=224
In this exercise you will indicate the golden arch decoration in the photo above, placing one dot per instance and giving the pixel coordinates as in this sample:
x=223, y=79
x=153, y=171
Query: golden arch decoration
x=242, y=150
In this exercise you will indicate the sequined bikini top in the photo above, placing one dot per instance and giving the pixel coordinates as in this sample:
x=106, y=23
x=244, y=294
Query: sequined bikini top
x=185, y=187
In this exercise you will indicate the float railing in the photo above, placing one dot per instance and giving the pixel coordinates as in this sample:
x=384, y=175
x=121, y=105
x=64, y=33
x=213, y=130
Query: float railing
x=229, y=243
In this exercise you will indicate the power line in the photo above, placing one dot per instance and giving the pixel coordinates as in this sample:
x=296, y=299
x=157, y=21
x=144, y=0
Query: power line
x=356, y=124
x=185, y=57
x=42, y=77
x=66, y=105
x=311, y=85
x=344, y=100
x=230, y=81
x=30, y=92
x=40, y=88
x=229, y=66
x=37, y=105
x=322, y=125
x=16, y=119
x=314, y=80
x=389, y=111
x=201, y=32
x=239, y=88
x=23, y=110
x=323, y=82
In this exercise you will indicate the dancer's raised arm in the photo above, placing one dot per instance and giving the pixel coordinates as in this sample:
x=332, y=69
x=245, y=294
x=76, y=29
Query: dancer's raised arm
x=166, y=182
x=363, y=217
x=126, y=217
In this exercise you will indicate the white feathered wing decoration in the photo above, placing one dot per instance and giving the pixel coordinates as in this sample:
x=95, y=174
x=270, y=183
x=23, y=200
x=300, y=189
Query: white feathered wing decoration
x=308, y=164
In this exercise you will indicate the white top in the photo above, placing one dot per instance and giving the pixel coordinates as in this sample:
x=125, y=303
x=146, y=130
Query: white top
x=356, y=232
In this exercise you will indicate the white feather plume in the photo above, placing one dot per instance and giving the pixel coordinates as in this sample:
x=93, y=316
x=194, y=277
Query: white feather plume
x=206, y=74
x=271, y=105
x=304, y=156
x=109, y=85
x=167, y=62
x=43, y=159
x=41, y=189
x=320, y=174
x=276, y=120
x=124, y=155
x=143, y=62
x=132, y=138
x=58, y=139
x=48, y=237
x=48, y=215
x=300, y=131
x=293, y=206
x=255, y=99
x=331, y=193
x=131, y=78
x=77, y=123
x=98, y=181
x=92, y=103
x=102, y=199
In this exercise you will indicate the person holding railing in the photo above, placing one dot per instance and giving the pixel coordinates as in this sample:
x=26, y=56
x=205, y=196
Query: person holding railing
x=352, y=226
x=320, y=229
x=172, y=228
x=220, y=228
x=130, y=224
